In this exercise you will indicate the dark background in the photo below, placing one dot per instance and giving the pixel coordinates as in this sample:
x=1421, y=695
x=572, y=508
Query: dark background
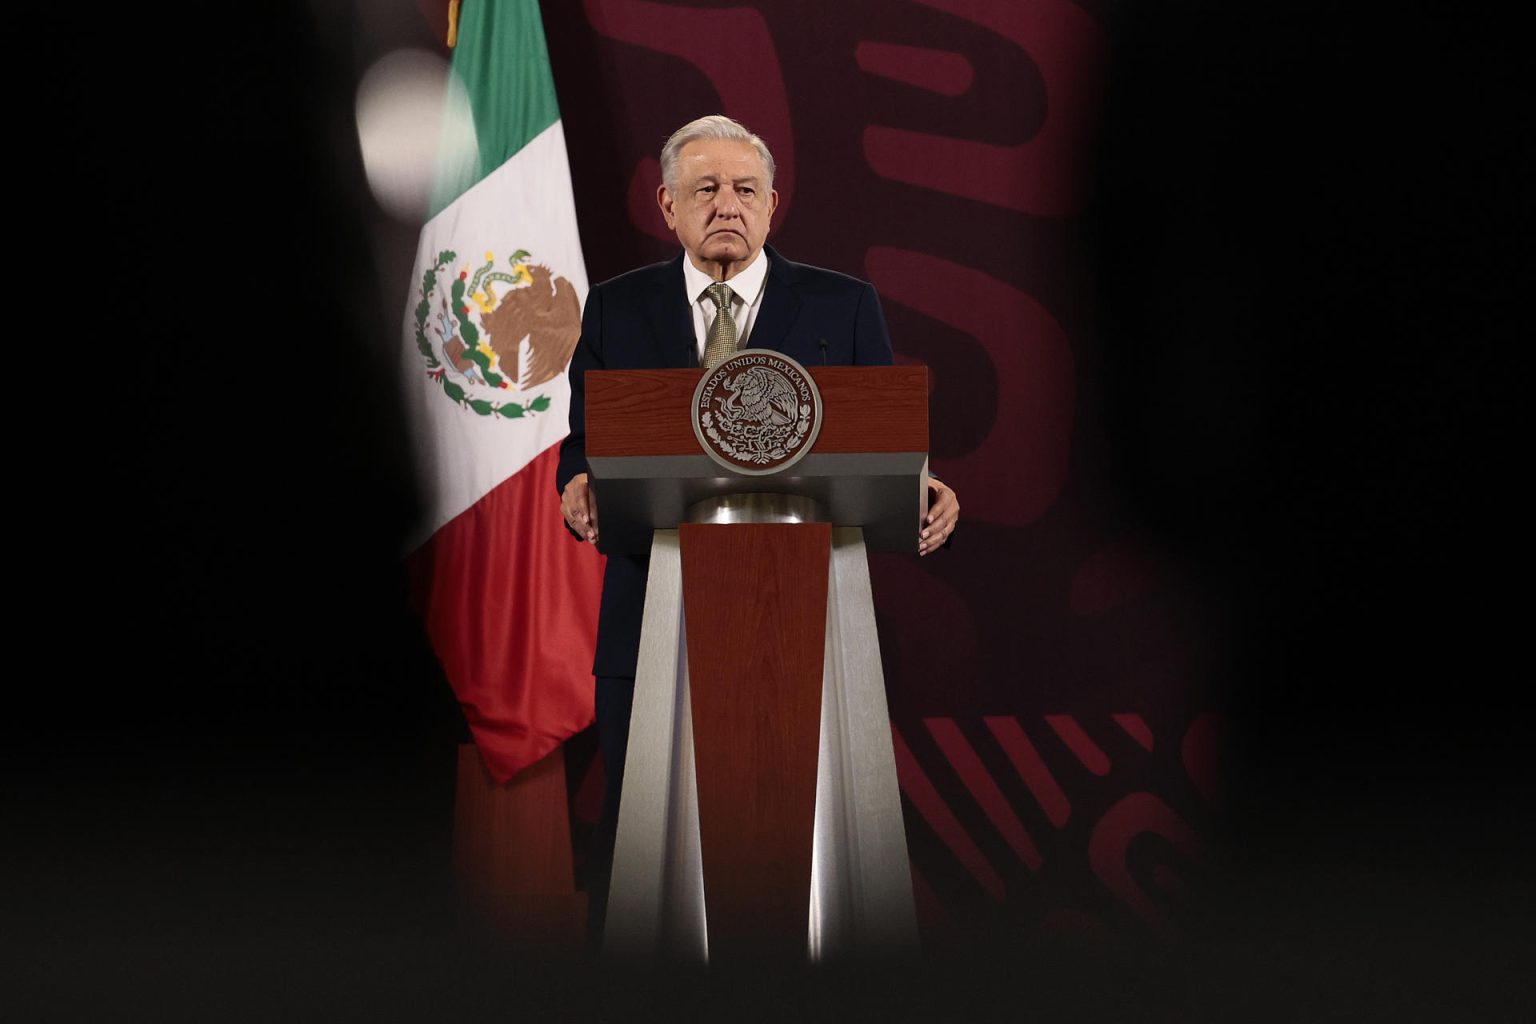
x=1223, y=372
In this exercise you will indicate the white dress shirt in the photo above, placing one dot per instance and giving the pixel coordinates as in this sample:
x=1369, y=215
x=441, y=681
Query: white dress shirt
x=747, y=289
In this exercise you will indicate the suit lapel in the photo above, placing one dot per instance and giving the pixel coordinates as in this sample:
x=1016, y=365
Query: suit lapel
x=671, y=319
x=781, y=304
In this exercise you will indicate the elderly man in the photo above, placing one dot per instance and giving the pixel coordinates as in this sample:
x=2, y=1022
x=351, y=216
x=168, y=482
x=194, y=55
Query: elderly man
x=727, y=289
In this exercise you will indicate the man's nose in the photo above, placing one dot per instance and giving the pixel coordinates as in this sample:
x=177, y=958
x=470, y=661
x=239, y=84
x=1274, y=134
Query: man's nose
x=727, y=204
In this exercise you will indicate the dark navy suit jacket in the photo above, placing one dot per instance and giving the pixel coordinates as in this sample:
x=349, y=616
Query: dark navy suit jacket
x=643, y=320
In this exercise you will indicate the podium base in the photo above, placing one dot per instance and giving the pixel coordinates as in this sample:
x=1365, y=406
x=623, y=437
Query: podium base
x=858, y=902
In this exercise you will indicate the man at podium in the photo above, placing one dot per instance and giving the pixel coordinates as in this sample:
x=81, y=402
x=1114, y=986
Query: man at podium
x=726, y=290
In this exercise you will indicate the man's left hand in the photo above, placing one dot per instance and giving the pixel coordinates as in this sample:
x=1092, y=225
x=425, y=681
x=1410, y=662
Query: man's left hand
x=943, y=515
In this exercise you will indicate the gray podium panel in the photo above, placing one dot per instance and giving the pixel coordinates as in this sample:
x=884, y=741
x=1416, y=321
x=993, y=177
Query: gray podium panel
x=656, y=893
x=861, y=879
x=885, y=493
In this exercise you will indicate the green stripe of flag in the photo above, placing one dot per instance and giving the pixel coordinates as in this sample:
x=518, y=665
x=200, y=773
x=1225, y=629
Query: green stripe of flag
x=503, y=63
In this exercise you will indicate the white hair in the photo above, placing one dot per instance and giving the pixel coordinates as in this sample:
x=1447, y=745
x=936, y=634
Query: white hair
x=715, y=126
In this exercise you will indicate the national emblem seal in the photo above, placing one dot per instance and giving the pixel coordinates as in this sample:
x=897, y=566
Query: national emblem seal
x=756, y=413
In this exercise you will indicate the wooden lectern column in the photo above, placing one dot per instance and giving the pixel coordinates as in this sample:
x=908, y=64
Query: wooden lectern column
x=755, y=601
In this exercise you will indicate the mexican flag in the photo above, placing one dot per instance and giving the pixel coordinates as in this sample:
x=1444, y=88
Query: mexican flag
x=508, y=598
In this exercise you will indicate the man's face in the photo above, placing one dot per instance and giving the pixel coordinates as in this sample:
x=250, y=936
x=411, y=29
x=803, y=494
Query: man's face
x=723, y=203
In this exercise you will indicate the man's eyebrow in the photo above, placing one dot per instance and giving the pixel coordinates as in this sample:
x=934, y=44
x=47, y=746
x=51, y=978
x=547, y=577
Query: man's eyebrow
x=714, y=179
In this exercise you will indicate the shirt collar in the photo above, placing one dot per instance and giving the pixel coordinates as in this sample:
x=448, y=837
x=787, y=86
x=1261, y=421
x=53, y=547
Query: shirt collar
x=746, y=285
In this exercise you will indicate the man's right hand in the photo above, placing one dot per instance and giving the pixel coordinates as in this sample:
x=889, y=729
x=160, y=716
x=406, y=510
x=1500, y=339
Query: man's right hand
x=579, y=506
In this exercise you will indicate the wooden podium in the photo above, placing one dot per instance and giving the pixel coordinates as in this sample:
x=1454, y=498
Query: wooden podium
x=760, y=813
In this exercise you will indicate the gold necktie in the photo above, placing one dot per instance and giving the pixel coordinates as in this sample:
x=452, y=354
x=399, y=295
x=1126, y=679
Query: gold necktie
x=721, y=340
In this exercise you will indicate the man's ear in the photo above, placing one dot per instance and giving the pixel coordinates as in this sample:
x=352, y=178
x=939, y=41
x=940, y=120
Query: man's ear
x=773, y=202
x=664, y=200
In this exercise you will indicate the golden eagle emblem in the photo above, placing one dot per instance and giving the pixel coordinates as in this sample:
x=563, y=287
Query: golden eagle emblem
x=548, y=314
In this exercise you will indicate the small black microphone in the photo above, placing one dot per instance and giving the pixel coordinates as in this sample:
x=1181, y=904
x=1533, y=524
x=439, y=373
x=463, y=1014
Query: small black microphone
x=823, y=343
